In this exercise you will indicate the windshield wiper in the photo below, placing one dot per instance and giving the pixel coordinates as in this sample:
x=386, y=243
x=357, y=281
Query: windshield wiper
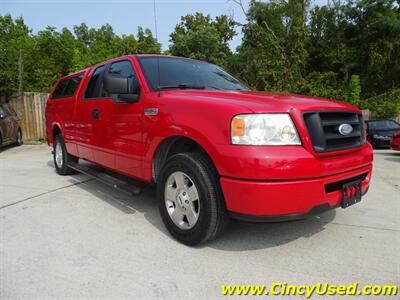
x=182, y=87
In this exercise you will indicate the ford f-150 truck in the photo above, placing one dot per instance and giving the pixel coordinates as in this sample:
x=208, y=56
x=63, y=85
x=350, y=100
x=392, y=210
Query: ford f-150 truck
x=215, y=149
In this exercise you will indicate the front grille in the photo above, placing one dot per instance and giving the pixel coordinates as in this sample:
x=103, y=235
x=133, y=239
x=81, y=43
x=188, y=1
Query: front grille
x=323, y=128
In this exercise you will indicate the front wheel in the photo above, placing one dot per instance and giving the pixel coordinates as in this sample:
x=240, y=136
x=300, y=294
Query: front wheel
x=61, y=157
x=190, y=199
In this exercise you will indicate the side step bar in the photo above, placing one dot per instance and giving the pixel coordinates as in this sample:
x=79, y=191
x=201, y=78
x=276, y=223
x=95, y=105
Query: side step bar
x=117, y=181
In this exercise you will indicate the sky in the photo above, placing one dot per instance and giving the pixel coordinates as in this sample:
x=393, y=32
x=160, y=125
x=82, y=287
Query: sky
x=123, y=15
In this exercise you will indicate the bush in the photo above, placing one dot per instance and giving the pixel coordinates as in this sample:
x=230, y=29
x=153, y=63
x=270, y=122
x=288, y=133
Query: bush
x=386, y=105
x=325, y=85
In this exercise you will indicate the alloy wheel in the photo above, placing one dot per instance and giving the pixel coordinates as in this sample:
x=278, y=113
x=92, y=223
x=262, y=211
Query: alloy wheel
x=59, y=155
x=182, y=200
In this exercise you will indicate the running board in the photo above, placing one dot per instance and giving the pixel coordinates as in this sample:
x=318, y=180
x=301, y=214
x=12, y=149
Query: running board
x=117, y=181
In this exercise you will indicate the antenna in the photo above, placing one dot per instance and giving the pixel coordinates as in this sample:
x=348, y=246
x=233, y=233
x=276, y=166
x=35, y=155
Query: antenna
x=158, y=56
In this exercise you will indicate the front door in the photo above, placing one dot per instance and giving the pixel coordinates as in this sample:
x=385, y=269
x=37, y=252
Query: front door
x=126, y=124
x=111, y=129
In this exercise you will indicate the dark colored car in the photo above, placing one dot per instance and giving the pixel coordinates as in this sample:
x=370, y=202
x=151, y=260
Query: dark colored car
x=10, y=128
x=379, y=132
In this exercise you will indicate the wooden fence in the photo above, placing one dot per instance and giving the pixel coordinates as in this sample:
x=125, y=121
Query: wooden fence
x=30, y=108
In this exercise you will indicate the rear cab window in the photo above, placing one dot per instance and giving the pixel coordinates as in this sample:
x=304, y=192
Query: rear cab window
x=67, y=87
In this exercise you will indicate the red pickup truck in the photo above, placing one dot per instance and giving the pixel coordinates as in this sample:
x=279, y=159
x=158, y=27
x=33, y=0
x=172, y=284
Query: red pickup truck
x=214, y=148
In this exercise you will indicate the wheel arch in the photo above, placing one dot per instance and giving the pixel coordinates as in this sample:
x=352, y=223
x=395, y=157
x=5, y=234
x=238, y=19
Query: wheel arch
x=173, y=145
x=56, y=129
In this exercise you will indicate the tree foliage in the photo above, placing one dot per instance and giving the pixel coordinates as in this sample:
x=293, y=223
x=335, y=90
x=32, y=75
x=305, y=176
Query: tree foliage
x=273, y=55
x=198, y=36
x=50, y=54
x=386, y=105
x=14, y=36
x=345, y=50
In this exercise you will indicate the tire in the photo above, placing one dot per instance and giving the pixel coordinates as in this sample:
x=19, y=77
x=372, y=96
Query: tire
x=18, y=138
x=208, y=218
x=61, y=157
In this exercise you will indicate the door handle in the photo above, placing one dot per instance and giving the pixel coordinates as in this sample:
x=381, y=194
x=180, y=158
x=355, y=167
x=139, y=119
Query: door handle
x=96, y=114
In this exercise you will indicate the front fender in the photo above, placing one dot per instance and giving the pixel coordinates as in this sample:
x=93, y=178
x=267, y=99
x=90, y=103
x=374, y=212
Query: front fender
x=208, y=124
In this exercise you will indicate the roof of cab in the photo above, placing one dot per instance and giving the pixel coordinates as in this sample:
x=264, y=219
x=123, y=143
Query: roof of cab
x=119, y=57
x=76, y=73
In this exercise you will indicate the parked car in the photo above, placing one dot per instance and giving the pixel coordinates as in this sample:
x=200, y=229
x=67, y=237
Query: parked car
x=10, y=127
x=395, y=141
x=214, y=148
x=379, y=132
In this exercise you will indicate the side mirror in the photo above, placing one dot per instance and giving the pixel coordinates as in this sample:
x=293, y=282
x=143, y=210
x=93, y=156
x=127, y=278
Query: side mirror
x=119, y=84
x=3, y=115
x=116, y=84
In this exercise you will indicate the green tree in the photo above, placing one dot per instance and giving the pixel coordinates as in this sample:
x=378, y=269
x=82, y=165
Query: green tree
x=373, y=31
x=327, y=43
x=357, y=37
x=96, y=45
x=198, y=36
x=273, y=52
x=346, y=50
x=146, y=43
x=126, y=44
x=323, y=84
x=355, y=90
x=386, y=105
x=52, y=57
x=50, y=54
x=15, y=45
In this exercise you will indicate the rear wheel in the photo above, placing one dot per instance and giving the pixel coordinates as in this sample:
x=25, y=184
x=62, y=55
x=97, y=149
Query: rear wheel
x=190, y=199
x=62, y=158
x=18, y=139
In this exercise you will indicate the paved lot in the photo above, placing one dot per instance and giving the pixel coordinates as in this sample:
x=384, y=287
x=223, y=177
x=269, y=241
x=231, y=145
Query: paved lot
x=71, y=237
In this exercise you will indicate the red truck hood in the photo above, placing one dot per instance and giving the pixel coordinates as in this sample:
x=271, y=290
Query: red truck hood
x=259, y=102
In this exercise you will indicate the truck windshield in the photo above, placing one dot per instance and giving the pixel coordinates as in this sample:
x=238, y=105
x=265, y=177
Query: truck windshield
x=182, y=73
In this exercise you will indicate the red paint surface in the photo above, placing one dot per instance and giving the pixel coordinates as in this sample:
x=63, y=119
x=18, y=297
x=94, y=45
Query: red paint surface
x=395, y=141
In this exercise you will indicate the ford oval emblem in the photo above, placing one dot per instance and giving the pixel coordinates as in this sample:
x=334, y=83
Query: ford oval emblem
x=345, y=129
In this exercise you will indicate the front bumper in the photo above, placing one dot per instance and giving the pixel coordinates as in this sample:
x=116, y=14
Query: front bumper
x=277, y=200
x=381, y=142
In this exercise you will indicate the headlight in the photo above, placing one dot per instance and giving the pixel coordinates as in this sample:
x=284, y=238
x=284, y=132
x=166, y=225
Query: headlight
x=263, y=129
